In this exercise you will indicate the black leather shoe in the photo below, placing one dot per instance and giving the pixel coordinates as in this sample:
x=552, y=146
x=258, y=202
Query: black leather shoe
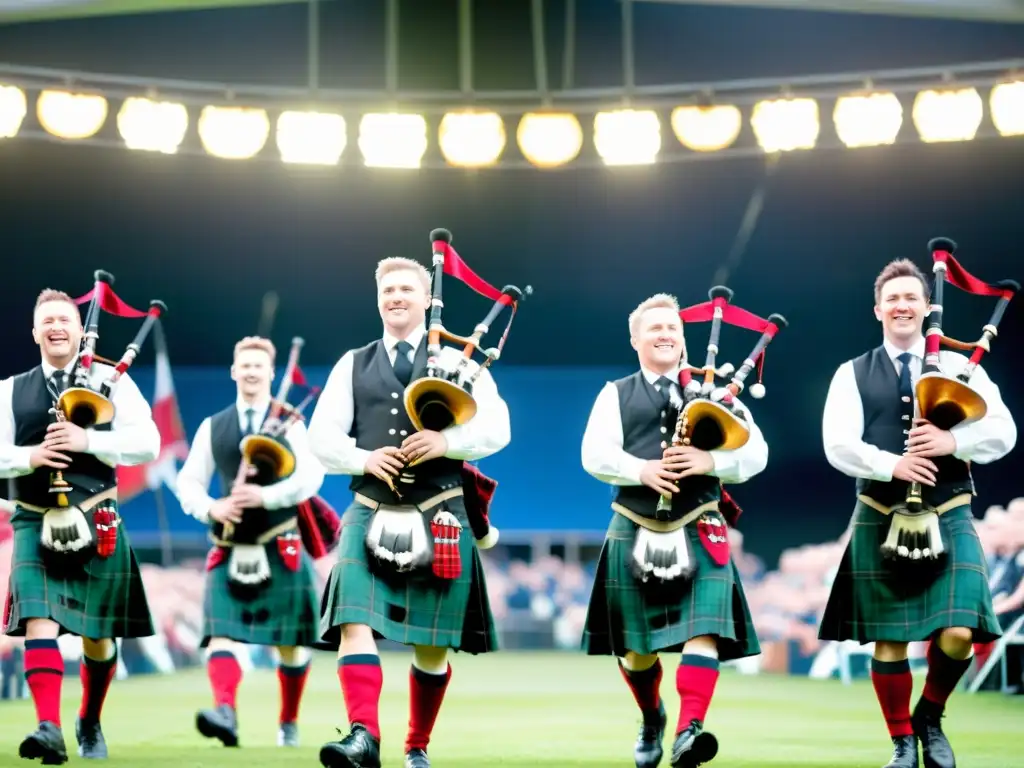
x=648, y=752
x=904, y=752
x=45, y=743
x=357, y=750
x=91, y=743
x=220, y=723
x=693, y=746
x=417, y=758
x=935, y=748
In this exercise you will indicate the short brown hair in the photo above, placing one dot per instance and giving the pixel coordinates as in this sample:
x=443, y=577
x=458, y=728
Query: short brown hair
x=52, y=294
x=900, y=268
x=256, y=342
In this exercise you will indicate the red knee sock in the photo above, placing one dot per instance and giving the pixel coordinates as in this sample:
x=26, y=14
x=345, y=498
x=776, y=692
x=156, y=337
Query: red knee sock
x=695, y=680
x=646, y=687
x=981, y=652
x=225, y=676
x=893, y=687
x=44, y=673
x=426, y=692
x=96, y=677
x=944, y=673
x=293, y=682
x=361, y=680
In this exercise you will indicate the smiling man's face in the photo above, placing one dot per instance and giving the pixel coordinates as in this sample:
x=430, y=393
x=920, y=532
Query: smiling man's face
x=57, y=329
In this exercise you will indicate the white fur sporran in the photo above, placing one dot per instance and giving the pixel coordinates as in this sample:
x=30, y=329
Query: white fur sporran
x=249, y=565
x=398, y=538
x=67, y=530
x=914, y=537
x=663, y=557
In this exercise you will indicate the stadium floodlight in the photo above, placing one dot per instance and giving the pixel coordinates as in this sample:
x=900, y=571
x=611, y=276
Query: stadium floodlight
x=152, y=126
x=707, y=128
x=69, y=115
x=627, y=136
x=868, y=120
x=786, y=125
x=311, y=138
x=393, y=139
x=549, y=139
x=13, y=108
x=1006, y=103
x=952, y=114
x=233, y=133
x=471, y=139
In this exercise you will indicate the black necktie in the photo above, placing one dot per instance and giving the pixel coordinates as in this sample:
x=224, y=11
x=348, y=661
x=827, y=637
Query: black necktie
x=58, y=378
x=664, y=386
x=249, y=414
x=906, y=389
x=403, y=366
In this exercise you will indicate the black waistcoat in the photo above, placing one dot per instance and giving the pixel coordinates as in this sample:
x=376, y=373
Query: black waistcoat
x=380, y=419
x=887, y=421
x=225, y=439
x=647, y=427
x=31, y=403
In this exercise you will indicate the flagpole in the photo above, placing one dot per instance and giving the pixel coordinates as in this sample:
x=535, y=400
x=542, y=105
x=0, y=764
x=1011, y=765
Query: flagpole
x=166, y=540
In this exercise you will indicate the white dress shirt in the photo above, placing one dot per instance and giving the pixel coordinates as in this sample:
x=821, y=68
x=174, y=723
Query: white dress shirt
x=133, y=437
x=194, y=478
x=983, y=441
x=485, y=434
x=604, y=458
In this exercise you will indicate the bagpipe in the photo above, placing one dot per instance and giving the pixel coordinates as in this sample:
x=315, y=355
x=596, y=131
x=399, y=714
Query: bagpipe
x=709, y=417
x=942, y=400
x=268, y=458
x=86, y=404
x=441, y=398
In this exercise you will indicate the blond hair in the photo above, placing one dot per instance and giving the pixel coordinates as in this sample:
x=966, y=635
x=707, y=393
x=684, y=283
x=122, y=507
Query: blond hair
x=256, y=342
x=657, y=301
x=52, y=294
x=399, y=263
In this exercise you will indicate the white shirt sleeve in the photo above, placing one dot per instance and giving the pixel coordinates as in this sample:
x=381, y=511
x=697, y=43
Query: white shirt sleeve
x=193, y=484
x=304, y=482
x=992, y=436
x=741, y=464
x=14, y=459
x=329, y=426
x=602, y=454
x=133, y=437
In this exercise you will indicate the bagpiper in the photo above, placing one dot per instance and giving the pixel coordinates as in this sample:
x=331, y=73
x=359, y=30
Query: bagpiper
x=65, y=426
x=908, y=421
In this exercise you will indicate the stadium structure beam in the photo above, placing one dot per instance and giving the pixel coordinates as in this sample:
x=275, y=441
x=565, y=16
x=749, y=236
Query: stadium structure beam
x=569, y=49
x=313, y=47
x=540, y=51
x=964, y=10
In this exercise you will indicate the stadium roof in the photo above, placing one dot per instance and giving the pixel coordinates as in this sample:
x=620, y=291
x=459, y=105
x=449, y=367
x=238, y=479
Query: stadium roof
x=975, y=10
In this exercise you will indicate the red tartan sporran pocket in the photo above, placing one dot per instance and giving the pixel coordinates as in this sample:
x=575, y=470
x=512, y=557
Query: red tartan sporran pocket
x=715, y=537
x=106, y=520
x=446, y=530
x=215, y=557
x=289, y=547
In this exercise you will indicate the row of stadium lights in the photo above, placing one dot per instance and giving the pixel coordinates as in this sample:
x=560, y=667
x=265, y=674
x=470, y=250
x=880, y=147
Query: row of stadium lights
x=547, y=139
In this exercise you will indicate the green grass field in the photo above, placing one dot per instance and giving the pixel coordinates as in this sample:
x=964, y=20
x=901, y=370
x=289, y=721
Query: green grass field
x=525, y=711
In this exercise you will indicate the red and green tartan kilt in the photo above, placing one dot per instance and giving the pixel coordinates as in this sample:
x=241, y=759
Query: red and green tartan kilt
x=871, y=602
x=105, y=598
x=282, y=614
x=412, y=609
x=626, y=615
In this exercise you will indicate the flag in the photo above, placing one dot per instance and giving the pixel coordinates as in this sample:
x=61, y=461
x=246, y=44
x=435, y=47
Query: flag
x=173, y=442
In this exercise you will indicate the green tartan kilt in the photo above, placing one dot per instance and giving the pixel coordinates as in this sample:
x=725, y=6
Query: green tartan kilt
x=104, y=598
x=871, y=601
x=412, y=609
x=282, y=614
x=626, y=615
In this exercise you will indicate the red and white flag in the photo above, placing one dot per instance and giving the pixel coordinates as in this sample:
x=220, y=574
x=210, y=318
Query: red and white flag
x=173, y=442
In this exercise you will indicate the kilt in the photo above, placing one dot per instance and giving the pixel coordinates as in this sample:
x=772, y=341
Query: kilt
x=870, y=601
x=626, y=615
x=105, y=598
x=416, y=609
x=282, y=614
